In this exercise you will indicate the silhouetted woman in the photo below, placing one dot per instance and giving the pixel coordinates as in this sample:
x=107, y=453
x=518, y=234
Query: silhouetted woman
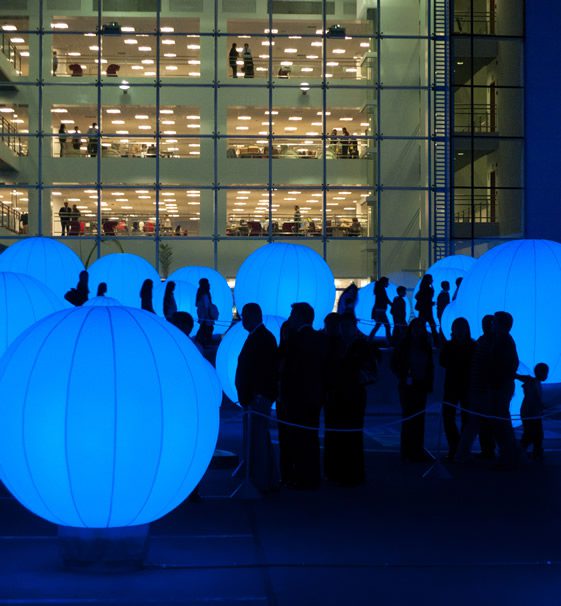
x=205, y=312
x=456, y=358
x=348, y=299
x=146, y=295
x=412, y=363
x=425, y=303
x=379, y=311
x=170, y=306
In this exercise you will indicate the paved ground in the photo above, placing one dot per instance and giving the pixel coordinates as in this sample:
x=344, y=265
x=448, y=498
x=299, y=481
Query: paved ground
x=481, y=536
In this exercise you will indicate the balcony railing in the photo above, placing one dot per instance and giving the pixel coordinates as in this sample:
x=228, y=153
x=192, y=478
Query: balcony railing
x=479, y=209
x=477, y=118
x=11, y=219
x=10, y=51
x=10, y=137
x=477, y=23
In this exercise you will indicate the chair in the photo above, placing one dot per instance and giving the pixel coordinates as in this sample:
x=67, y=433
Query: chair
x=255, y=228
x=76, y=69
x=112, y=70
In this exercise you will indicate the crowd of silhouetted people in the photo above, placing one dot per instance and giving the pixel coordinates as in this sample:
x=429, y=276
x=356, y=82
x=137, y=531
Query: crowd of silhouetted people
x=313, y=372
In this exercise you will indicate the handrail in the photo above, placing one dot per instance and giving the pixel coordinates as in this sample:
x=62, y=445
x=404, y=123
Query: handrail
x=10, y=218
x=10, y=51
x=9, y=135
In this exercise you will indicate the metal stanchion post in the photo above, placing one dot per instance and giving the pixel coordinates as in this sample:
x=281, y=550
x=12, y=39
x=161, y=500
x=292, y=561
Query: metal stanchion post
x=437, y=469
x=246, y=490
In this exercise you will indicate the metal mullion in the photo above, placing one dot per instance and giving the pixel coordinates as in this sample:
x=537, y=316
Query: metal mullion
x=158, y=89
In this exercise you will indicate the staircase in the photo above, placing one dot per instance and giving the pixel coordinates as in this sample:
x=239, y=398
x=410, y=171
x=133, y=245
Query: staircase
x=440, y=190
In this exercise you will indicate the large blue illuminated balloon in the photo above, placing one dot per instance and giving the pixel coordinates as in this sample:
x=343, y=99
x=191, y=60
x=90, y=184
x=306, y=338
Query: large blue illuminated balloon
x=124, y=274
x=450, y=268
x=230, y=348
x=185, y=294
x=522, y=277
x=23, y=301
x=101, y=301
x=365, y=303
x=109, y=417
x=277, y=275
x=45, y=259
x=220, y=291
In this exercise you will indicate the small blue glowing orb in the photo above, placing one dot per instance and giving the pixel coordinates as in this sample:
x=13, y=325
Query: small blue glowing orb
x=47, y=260
x=23, y=301
x=522, y=277
x=450, y=268
x=220, y=292
x=185, y=295
x=230, y=348
x=365, y=303
x=109, y=417
x=277, y=275
x=124, y=274
x=103, y=301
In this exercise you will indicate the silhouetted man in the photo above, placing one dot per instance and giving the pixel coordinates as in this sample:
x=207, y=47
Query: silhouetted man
x=64, y=214
x=502, y=372
x=257, y=382
x=301, y=398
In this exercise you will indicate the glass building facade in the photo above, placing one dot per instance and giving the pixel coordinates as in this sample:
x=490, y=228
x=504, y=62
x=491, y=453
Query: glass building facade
x=382, y=134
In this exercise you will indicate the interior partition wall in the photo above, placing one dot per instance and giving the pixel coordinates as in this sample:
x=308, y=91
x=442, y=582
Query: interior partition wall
x=321, y=128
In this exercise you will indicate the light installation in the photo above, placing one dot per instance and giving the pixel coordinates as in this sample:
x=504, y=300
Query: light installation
x=220, y=292
x=102, y=301
x=277, y=275
x=46, y=260
x=124, y=274
x=184, y=294
x=121, y=450
x=230, y=348
x=23, y=301
x=522, y=277
x=365, y=303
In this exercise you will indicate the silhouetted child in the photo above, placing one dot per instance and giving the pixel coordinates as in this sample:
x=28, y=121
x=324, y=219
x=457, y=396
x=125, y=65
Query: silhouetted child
x=443, y=299
x=398, y=311
x=531, y=411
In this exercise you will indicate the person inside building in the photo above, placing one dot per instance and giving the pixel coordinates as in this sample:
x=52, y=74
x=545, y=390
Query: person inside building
x=232, y=60
x=297, y=219
x=247, y=62
x=54, y=63
x=76, y=139
x=65, y=215
x=92, y=140
x=62, y=137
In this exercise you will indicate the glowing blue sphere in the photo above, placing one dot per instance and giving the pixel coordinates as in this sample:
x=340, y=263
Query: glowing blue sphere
x=230, y=348
x=365, y=303
x=46, y=260
x=103, y=301
x=109, y=417
x=124, y=274
x=23, y=301
x=522, y=277
x=220, y=291
x=277, y=275
x=450, y=268
x=185, y=295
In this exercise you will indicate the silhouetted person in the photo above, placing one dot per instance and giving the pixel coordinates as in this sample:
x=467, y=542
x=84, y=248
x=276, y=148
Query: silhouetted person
x=398, y=311
x=54, y=62
x=93, y=141
x=64, y=215
x=207, y=313
x=412, y=363
x=379, y=310
x=456, y=358
x=301, y=395
x=348, y=299
x=232, y=60
x=425, y=303
x=502, y=372
x=62, y=137
x=146, y=291
x=101, y=289
x=170, y=306
x=247, y=61
x=346, y=402
x=79, y=295
x=531, y=411
x=184, y=321
x=257, y=385
x=479, y=398
x=458, y=283
x=443, y=299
